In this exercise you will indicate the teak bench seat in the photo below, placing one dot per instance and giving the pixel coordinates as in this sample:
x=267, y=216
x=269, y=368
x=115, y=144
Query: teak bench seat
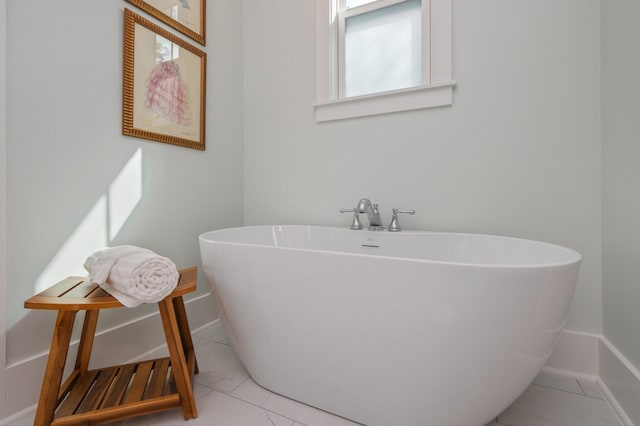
x=114, y=393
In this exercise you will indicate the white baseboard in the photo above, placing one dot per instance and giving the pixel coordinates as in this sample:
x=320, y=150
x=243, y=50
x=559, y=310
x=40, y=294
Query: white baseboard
x=590, y=355
x=626, y=420
x=621, y=382
x=12, y=419
x=576, y=353
x=24, y=378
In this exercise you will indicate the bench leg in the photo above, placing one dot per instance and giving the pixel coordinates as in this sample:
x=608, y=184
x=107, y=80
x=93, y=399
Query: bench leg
x=185, y=331
x=55, y=368
x=178, y=358
x=86, y=340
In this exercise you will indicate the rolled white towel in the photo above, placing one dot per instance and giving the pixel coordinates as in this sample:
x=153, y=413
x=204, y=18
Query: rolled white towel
x=133, y=275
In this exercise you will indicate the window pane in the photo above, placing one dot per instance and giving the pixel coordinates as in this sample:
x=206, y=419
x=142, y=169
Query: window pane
x=356, y=3
x=166, y=50
x=383, y=49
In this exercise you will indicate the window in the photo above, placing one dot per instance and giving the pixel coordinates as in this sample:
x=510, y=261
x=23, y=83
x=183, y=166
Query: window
x=166, y=50
x=378, y=56
x=380, y=47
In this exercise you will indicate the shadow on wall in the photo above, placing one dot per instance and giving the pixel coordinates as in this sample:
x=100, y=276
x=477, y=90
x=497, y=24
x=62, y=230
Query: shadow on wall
x=95, y=231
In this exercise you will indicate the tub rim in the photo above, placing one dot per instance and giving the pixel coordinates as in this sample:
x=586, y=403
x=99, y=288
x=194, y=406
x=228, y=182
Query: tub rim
x=573, y=256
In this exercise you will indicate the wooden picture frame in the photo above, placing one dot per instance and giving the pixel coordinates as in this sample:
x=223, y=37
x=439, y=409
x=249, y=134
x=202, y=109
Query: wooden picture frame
x=186, y=16
x=164, y=85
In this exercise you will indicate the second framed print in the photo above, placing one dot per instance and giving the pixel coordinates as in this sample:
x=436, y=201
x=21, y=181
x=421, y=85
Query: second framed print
x=186, y=16
x=164, y=85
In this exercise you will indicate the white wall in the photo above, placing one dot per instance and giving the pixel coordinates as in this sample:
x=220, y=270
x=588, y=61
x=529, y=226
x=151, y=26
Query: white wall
x=518, y=153
x=68, y=164
x=621, y=175
x=3, y=190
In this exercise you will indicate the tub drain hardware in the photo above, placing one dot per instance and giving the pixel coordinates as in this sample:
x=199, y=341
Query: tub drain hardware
x=370, y=246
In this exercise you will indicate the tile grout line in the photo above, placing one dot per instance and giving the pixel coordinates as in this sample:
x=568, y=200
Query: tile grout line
x=602, y=398
x=556, y=389
x=265, y=409
x=572, y=393
x=242, y=383
x=270, y=419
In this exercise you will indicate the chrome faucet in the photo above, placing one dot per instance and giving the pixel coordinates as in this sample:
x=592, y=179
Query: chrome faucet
x=373, y=214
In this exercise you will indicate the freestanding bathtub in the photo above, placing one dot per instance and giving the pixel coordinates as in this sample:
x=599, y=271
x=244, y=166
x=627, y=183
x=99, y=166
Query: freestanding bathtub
x=402, y=329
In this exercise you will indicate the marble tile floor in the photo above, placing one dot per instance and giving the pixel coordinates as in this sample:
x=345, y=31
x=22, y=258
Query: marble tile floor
x=227, y=396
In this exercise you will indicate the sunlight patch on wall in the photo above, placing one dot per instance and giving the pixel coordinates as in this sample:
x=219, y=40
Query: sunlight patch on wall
x=125, y=193
x=90, y=235
x=99, y=227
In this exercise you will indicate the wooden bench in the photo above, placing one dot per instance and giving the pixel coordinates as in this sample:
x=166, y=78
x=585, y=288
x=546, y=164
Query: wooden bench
x=114, y=393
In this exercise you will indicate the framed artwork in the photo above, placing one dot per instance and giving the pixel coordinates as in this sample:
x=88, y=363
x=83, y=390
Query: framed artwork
x=164, y=82
x=186, y=16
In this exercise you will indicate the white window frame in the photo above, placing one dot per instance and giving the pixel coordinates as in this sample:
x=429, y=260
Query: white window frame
x=437, y=85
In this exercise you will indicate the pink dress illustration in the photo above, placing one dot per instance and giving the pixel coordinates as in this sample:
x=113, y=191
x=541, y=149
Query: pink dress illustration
x=166, y=94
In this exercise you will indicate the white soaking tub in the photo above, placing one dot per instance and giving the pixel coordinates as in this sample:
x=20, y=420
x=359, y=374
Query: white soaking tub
x=402, y=329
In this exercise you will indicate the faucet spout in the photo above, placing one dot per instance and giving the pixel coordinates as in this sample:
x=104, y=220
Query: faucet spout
x=373, y=214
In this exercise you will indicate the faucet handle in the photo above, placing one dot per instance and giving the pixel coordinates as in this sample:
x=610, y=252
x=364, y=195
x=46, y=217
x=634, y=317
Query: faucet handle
x=356, y=225
x=394, y=226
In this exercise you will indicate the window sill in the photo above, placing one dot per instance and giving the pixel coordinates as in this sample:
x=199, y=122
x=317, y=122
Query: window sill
x=419, y=97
